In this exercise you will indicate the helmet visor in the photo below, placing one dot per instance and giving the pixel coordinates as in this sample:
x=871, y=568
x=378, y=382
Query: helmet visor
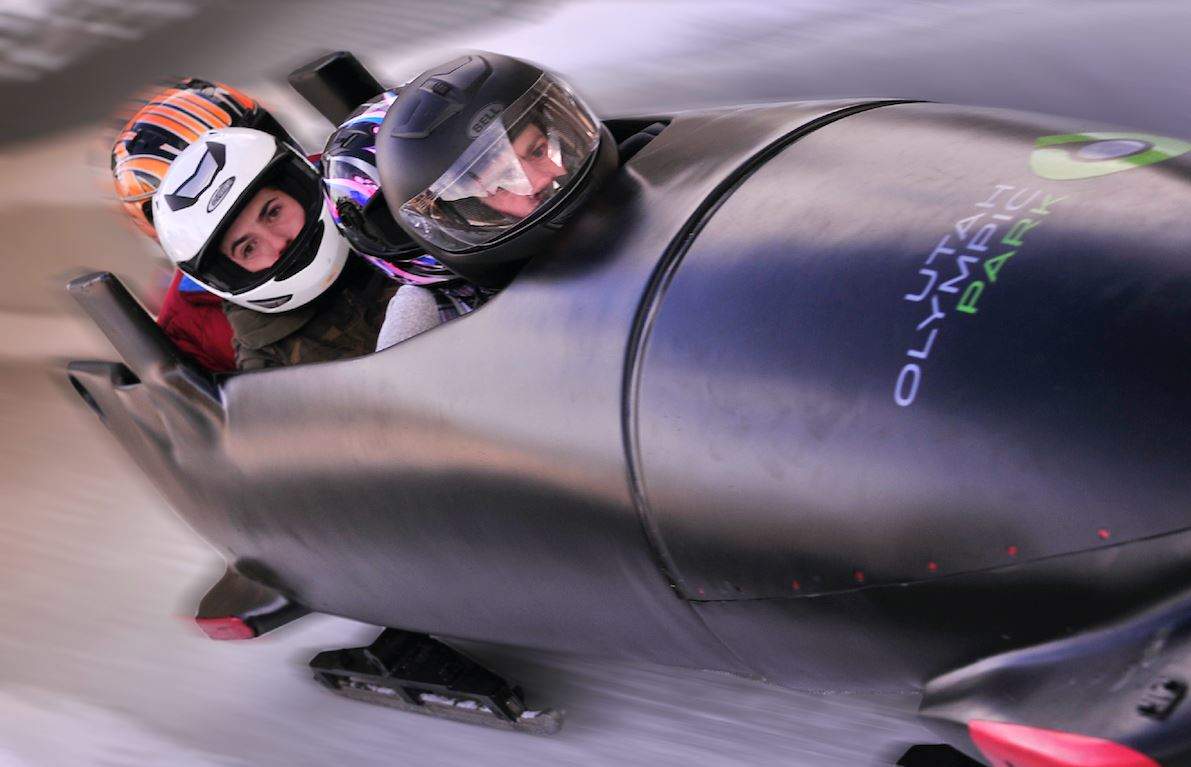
x=524, y=158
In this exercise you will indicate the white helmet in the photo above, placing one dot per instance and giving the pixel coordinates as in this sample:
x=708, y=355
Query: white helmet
x=209, y=185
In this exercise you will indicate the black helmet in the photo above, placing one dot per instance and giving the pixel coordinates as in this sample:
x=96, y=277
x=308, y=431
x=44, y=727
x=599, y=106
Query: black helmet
x=482, y=159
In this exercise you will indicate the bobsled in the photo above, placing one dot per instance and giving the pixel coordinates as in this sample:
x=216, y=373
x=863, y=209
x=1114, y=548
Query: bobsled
x=872, y=396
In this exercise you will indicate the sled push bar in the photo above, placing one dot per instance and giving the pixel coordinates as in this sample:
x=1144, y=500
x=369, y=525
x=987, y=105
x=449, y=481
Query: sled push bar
x=144, y=346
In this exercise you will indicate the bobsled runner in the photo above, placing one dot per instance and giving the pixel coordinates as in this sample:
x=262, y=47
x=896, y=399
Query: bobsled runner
x=860, y=395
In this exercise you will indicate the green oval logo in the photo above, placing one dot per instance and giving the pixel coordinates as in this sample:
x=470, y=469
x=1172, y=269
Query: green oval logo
x=1087, y=155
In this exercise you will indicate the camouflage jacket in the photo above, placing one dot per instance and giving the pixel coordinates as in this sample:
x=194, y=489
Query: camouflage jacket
x=343, y=322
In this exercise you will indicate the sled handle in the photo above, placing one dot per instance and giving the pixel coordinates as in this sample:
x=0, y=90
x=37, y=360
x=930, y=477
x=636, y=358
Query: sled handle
x=144, y=346
x=335, y=84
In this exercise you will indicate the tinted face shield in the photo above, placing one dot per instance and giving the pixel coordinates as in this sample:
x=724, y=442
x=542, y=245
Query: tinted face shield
x=286, y=173
x=525, y=158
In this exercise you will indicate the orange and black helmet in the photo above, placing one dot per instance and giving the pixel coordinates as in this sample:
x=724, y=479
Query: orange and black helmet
x=166, y=123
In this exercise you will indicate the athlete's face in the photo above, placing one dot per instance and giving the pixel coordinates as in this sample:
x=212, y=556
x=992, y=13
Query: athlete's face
x=533, y=152
x=263, y=230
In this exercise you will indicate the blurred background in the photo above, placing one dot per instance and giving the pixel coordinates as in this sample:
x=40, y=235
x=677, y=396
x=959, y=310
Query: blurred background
x=98, y=665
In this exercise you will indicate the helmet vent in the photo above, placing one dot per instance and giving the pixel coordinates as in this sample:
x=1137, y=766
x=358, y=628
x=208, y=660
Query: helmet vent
x=192, y=188
x=270, y=303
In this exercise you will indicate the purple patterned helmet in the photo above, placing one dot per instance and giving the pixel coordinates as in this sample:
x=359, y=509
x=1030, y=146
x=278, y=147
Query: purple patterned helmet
x=351, y=186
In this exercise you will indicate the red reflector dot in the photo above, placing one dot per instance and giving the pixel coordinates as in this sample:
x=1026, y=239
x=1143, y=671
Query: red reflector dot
x=858, y=576
x=795, y=585
x=1104, y=534
x=932, y=566
x=1011, y=551
x=225, y=628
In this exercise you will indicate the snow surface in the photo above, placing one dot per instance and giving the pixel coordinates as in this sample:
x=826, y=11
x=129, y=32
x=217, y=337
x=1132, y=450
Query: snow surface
x=98, y=665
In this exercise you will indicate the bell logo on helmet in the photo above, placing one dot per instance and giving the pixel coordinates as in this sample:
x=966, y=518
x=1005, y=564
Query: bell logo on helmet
x=204, y=174
x=220, y=193
x=484, y=118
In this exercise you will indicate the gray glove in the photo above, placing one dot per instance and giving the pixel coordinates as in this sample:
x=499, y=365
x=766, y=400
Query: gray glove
x=411, y=310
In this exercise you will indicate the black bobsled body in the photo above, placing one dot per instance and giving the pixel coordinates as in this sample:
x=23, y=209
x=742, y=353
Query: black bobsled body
x=846, y=395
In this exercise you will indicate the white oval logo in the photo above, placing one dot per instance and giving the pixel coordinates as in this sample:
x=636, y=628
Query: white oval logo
x=484, y=118
x=220, y=193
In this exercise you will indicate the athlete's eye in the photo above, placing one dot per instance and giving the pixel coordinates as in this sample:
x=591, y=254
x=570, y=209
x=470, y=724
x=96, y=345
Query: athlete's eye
x=273, y=212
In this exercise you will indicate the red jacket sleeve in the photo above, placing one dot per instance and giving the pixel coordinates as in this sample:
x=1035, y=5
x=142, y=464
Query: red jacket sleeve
x=196, y=324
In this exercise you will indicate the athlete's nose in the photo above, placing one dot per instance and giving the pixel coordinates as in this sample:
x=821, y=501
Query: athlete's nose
x=279, y=243
x=540, y=177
